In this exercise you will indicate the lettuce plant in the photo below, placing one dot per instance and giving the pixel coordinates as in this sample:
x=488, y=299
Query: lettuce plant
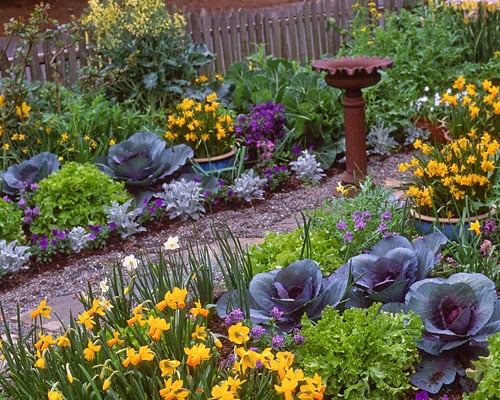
x=459, y=313
x=287, y=294
x=386, y=273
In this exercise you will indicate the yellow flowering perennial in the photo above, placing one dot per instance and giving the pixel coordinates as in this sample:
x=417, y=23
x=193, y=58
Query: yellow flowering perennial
x=203, y=125
x=446, y=178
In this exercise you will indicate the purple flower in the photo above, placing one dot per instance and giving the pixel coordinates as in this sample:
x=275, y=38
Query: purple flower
x=59, y=234
x=234, y=317
x=390, y=234
x=297, y=337
x=158, y=203
x=486, y=247
x=276, y=313
x=206, y=193
x=341, y=226
x=257, y=331
x=228, y=362
x=296, y=150
x=422, y=395
x=366, y=215
x=112, y=225
x=347, y=237
x=229, y=192
x=36, y=210
x=95, y=228
x=277, y=342
x=382, y=227
x=43, y=243
x=21, y=202
x=386, y=216
x=489, y=226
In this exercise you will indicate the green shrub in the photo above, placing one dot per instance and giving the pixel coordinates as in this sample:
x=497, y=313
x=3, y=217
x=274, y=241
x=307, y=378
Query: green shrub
x=11, y=219
x=75, y=196
x=486, y=372
x=362, y=353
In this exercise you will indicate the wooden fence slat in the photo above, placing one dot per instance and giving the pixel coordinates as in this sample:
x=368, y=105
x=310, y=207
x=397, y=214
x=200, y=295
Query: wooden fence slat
x=296, y=31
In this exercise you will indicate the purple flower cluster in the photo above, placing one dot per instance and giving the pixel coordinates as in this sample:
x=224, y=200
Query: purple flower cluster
x=234, y=317
x=265, y=122
x=276, y=313
x=360, y=220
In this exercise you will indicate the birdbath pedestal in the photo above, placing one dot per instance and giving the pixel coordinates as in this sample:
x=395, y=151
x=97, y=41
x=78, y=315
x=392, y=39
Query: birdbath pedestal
x=352, y=75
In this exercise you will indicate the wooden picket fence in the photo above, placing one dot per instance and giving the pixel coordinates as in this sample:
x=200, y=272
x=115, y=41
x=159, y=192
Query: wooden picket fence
x=301, y=31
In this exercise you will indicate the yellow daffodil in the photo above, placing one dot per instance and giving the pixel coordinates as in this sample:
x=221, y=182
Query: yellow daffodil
x=168, y=367
x=174, y=390
x=43, y=309
x=90, y=351
x=475, y=227
x=174, y=300
x=239, y=333
x=196, y=354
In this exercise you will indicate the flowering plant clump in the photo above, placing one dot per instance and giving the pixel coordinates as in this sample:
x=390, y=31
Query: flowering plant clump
x=479, y=20
x=204, y=125
x=150, y=51
x=139, y=340
x=471, y=105
x=260, y=130
x=447, y=180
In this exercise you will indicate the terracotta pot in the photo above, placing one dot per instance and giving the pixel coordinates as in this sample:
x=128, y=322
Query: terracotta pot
x=439, y=131
x=452, y=228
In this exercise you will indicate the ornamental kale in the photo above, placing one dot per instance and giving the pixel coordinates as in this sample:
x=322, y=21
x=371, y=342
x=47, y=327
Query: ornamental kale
x=386, y=273
x=142, y=160
x=24, y=176
x=459, y=313
x=287, y=294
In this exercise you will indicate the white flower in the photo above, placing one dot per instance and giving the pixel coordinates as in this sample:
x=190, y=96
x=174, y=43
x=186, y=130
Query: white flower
x=130, y=263
x=104, y=286
x=172, y=243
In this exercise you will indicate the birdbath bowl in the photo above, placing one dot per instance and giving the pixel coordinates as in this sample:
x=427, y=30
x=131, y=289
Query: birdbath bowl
x=352, y=75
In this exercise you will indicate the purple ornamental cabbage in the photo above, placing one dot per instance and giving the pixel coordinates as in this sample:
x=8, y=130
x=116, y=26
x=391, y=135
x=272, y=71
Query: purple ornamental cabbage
x=294, y=291
x=386, y=273
x=458, y=313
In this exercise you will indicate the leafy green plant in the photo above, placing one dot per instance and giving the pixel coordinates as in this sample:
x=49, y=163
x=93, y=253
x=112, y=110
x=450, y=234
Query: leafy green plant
x=361, y=354
x=11, y=220
x=312, y=108
x=459, y=313
x=152, y=57
x=74, y=196
x=485, y=371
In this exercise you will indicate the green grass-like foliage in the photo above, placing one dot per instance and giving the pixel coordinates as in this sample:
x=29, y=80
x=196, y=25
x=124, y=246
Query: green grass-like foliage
x=75, y=196
x=362, y=353
x=486, y=372
x=11, y=220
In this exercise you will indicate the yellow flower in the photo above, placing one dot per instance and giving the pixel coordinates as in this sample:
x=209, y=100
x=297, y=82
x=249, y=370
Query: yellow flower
x=287, y=387
x=196, y=354
x=2, y=101
x=44, y=342
x=199, y=310
x=173, y=390
x=168, y=367
x=134, y=358
x=200, y=333
x=90, y=351
x=175, y=299
x=459, y=83
x=475, y=227
x=115, y=339
x=157, y=326
x=23, y=111
x=86, y=319
x=107, y=384
x=43, y=309
x=54, y=395
x=238, y=333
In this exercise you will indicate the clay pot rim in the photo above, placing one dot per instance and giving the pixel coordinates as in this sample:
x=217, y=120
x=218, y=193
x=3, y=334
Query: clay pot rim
x=442, y=220
x=352, y=65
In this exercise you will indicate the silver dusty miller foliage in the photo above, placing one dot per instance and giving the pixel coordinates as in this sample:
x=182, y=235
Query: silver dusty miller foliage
x=78, y=238
x=380, y=141
x=307, y=169
x=182, y=199
x=249, y=186
x=125, y=220
x=13, y=257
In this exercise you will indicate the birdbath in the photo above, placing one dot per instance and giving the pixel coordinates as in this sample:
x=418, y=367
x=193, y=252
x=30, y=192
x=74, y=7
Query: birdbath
x=352, y=75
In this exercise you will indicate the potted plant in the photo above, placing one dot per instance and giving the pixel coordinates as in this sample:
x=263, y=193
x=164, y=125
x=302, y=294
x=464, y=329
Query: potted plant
x=452, y=180
x=205, y=126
